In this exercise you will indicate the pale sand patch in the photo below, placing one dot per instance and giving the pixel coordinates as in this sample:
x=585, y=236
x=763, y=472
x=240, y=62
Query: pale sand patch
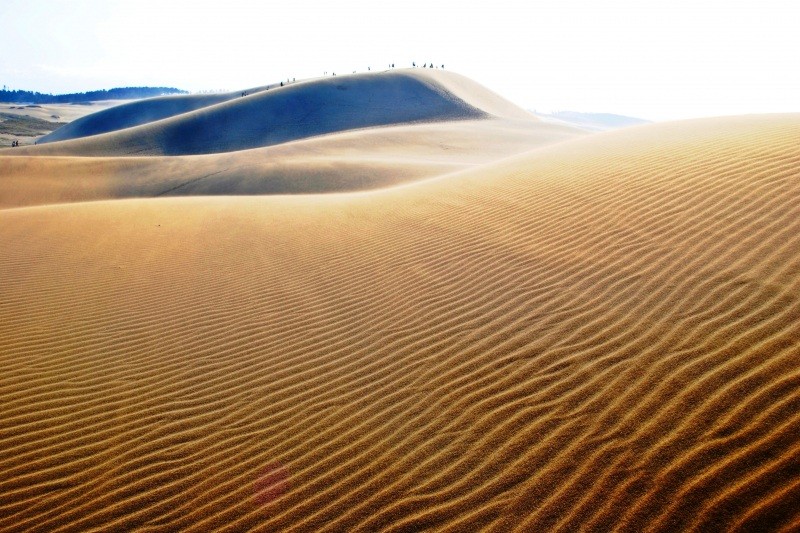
x=59, y=112
x=52, y=114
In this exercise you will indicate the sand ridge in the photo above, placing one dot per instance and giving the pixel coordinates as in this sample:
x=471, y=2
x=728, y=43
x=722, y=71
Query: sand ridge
x=447, y=84
x=283, y=114
x=359, y=160
x=602, y=334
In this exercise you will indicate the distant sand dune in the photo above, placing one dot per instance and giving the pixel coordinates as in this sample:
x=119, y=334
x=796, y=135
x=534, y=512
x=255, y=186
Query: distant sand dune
x=284, y=114
x=136, y=113
x=337, y=134
x=602, y=334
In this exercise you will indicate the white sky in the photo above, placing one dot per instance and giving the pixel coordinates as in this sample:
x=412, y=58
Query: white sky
x=660, y=60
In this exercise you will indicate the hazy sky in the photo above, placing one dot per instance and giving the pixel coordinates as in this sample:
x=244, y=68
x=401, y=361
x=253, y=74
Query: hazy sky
x=653, y=59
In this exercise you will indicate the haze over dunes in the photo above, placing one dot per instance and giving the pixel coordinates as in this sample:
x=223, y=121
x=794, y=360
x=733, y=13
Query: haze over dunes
x=344, y=133
x=559, y=332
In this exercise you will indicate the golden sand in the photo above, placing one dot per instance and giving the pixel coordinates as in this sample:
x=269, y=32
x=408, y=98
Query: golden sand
x=601, y=334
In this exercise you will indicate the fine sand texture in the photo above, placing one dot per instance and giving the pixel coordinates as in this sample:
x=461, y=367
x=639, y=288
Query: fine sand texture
x=601, y=334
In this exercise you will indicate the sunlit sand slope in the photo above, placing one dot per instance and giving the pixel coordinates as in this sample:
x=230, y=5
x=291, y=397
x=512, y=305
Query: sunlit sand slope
x=348, y=161
x=600, y=335
x=298, y=111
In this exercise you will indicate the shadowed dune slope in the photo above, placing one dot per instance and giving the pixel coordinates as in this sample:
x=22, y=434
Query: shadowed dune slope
x=136, y=113
x=599, y=335
x=348, y=161
x=297, y=111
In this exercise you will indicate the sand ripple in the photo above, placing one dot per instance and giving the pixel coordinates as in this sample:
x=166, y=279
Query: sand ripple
x=600, y=335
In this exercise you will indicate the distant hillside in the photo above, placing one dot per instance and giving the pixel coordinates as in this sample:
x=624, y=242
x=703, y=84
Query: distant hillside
x=119, y=93
x=594, y=121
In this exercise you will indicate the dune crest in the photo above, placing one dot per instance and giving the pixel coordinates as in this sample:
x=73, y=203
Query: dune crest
x=599, y=335
x=283, y=114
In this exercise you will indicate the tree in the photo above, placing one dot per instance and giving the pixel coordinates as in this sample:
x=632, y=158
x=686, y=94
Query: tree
x=119, y=93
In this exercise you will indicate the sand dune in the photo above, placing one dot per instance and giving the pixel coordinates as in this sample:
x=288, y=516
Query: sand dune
x=349, y=161
x=602, y=334
x=332, y=157
x=59, y=112
x=136, y=113
x=33, y=120
x=450, y=86
x=293, y=112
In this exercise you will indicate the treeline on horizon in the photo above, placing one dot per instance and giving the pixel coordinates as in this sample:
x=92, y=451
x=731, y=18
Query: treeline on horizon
x=119, y=93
